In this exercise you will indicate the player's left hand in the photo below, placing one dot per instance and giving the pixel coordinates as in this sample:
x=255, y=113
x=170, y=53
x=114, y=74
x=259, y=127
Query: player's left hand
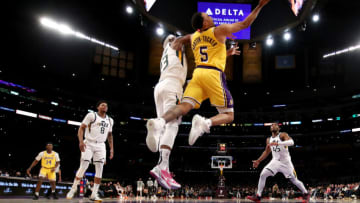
x=111, y=154
x=234, y=51
x=28, y=172
x=53, y=170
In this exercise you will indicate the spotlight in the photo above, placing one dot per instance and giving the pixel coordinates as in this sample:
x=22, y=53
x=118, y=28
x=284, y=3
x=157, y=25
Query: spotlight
x=269, y=41
x=160, y=31
x=65, y=29
x=129, y=10
x=178, y=33
x=287, y=36
x=316, y=18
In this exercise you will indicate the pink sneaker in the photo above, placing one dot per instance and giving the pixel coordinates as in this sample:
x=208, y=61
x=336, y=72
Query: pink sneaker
x=156, y=173
x=164, y=178
x=170, y=180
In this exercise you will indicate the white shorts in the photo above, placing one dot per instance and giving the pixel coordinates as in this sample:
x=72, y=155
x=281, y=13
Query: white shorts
x=167, y=94
x=284, y=167
x=95, y=151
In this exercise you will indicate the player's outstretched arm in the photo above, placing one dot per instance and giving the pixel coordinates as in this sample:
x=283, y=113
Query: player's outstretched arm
x=180, y=41
x=226, y=30
x=111, y=144
x=264, y=155
x=286, y=140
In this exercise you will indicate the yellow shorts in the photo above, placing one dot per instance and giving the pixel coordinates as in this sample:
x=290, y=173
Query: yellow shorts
x=46, y=173
x=209, y=82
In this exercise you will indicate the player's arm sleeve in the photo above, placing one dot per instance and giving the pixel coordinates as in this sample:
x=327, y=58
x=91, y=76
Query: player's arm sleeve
x=90, y=117
x=39, y=156
x=111, y=125
x=286, y=140
x=57, y=157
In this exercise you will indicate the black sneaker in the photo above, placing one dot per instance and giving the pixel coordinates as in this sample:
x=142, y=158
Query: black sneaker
x=36, y=197
x=47, y=195
x=55, y=195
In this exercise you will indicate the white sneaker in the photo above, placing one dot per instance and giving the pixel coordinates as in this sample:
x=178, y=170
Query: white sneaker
x=95, y=198
x=198, y=128
x=155, y=127
x=70, y=194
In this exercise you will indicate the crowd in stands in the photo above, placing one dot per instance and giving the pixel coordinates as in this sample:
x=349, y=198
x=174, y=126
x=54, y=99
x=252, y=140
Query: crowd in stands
x=150, y=189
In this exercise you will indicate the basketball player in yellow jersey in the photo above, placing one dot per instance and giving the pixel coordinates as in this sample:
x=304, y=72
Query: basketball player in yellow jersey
x=208, y=81
x=50, y=160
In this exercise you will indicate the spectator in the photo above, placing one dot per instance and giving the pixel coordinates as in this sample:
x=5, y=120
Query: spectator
x=139, y=188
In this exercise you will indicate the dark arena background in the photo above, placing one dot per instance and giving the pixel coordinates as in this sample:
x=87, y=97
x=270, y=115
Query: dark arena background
x=299, y=67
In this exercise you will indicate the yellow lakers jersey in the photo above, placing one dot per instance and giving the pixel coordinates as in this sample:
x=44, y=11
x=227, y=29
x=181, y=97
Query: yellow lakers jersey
x=48, y=160
x=208, y=51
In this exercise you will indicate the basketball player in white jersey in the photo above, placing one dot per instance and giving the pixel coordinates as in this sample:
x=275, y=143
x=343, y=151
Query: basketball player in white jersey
x=278, y=144
x=97, y=127
x=168, y=92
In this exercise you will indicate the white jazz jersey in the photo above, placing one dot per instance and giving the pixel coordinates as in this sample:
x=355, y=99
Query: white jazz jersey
x=280, y=153
x=173, y=64
x=97, y=127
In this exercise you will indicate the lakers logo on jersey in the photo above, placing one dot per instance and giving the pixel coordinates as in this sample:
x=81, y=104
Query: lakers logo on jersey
x=48, y=160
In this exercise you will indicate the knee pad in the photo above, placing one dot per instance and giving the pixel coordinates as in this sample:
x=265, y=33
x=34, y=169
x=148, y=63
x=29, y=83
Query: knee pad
x=171, y=130
x=98, y=169
x=84, y=164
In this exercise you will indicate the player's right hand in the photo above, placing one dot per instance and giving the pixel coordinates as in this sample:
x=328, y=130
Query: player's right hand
x=263, y=2
x=256, y=163
x=82, y=146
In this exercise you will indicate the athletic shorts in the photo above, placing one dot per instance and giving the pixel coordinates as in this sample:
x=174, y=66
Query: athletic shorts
x=95, y=151
x=284, y=167
x=209, y=83
x=47, y=173
x=167, y=94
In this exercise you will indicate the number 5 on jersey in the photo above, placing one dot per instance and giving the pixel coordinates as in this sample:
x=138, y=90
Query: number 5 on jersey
x=204, y=55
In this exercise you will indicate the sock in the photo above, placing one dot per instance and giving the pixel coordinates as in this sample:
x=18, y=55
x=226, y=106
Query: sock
x=37, y=193
x=208, y=125
x=299, y=185
x=75, y=184
x=163, y=122
x=208, y=122
x=164, y=158
x=53, y=191
x=95, y=189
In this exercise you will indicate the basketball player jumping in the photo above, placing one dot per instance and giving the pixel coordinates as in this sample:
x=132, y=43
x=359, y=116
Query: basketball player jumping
x=50, y=160
x=278, y=145
x=208, y=81
x=167, y=93
x=98, y=128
